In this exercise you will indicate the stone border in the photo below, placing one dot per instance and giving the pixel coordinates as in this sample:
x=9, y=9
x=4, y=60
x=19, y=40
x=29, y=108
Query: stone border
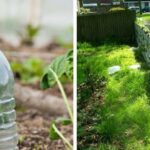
x=143, y=39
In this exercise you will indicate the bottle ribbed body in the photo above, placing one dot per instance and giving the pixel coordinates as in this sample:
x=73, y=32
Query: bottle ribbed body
x=8, y=127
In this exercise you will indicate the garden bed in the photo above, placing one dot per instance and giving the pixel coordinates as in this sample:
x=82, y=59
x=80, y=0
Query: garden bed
x=35, y=134
x=28, y=65
x=113, y=110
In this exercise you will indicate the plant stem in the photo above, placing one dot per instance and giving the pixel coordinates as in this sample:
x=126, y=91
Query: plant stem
x=63, y=94
x=62, y=137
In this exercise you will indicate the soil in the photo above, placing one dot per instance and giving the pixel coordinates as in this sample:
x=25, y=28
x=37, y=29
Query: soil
x=34, y=131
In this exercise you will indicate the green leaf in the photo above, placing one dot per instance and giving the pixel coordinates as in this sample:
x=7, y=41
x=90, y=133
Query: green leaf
x=63, y=121
x=69, y=69
x=52, y=134
x=44, y=83
x=62, y=65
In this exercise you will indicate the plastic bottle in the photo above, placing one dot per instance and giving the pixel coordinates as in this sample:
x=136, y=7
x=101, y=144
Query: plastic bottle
x=8, y=128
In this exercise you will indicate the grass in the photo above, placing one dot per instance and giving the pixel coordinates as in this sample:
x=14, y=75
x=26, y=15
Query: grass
x=113, y=110
x=145, y=17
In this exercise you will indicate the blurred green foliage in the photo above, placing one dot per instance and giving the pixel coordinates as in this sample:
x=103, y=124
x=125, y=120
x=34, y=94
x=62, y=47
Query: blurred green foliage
x=29, y=71
x=28, y=35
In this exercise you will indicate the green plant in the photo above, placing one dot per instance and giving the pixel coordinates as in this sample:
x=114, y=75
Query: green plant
x=61, y=66
x=29, y=34
x=29, y=71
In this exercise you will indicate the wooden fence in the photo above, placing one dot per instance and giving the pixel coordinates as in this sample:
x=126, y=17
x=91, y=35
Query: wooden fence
x=115, y=25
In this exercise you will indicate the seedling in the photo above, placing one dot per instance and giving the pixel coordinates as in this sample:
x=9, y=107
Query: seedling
x=30, y=32
x=61, y=66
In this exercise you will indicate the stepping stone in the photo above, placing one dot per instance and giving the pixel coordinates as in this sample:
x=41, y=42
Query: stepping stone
x=136, y=66
x=113, y=69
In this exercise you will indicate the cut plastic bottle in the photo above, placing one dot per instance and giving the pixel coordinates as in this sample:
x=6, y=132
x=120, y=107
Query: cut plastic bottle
x=8, y=127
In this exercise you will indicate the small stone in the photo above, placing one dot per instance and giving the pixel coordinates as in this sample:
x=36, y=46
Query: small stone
x=136, y=66
x=113, y=69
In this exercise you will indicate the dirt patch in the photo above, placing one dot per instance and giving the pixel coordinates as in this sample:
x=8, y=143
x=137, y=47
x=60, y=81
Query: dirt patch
x=23, y=52
x=34, y=129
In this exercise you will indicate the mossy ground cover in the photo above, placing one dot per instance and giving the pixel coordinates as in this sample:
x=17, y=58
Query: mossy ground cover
x=113, y=110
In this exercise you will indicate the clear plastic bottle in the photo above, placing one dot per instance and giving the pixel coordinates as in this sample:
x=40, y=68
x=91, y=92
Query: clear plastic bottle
x=8, y=128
